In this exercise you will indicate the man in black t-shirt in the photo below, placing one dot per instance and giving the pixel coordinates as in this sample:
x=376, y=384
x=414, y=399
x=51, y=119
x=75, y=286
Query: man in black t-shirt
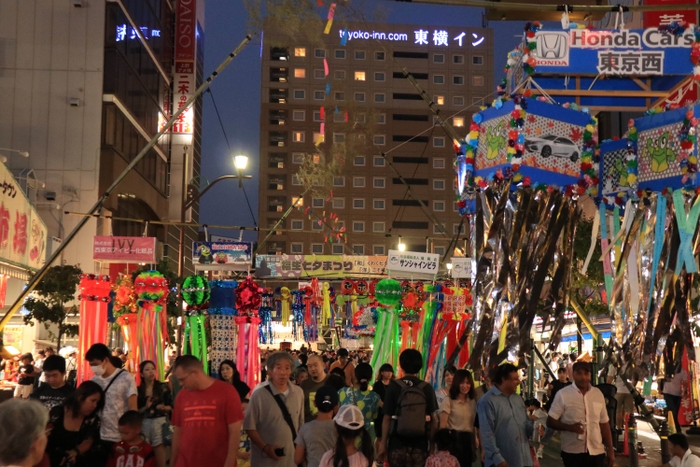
x=401, y=451
x=555, y=386
x=55, y=391
x=25, y=377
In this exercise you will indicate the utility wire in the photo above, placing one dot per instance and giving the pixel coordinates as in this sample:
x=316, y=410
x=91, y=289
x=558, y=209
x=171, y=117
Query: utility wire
x=223, y=130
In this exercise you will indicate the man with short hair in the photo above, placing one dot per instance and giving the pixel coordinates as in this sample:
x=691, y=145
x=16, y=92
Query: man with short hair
x=317, y=378
x=580, y=415
x=274, y=415
x=55, y=390
x=346, y=365
x=554, y=363
x=682, y=455
x=503, y=422
x=120, y=395
x=206, y=419
x=402, y=451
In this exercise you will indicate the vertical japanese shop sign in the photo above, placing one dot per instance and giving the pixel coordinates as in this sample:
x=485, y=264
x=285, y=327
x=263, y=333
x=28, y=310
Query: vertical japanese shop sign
x=185, y=54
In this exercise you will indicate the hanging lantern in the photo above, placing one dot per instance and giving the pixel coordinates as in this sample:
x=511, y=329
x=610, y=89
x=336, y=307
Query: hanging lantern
x=195, y=291
x=388, y=292
x=94, y=297
x=248, y=297
x=151, y=289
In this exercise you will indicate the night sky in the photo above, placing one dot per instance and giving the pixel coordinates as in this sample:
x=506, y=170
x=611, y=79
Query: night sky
x=237, y=94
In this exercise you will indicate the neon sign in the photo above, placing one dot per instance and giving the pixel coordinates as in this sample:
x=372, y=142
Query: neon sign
x=127, y=32
x=438, y=37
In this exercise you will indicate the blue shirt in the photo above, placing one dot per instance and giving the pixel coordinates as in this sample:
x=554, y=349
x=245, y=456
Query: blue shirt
x=505, y=429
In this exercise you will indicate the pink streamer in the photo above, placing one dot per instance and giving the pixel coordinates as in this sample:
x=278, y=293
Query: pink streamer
x=241, y=322
x=323, y=129
x=253, y=364
x=331, y=14
x=325, y=67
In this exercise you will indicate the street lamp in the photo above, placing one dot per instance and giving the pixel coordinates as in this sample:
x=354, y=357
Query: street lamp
x=449, y=269
x=240, y=162
x=402, y=245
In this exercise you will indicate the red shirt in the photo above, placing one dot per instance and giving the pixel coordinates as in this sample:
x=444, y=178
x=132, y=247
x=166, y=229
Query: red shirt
x=132, y=455
x=203, y=418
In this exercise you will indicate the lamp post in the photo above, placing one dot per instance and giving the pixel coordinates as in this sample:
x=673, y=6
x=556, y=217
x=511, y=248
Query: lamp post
x=240, y=162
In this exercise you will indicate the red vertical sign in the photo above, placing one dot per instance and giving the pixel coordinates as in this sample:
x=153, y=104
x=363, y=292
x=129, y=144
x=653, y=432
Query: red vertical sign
x=185, y=30
x=654, y=19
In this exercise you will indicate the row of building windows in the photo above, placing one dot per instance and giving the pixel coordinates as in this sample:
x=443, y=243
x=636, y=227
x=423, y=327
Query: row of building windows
x=380, y=56
x=377, y=182
x=277, y=160
x=278, y=138
x=297, y=248
x=279, y=96
x=377, y=205
x=380, y=119
x=380, y=76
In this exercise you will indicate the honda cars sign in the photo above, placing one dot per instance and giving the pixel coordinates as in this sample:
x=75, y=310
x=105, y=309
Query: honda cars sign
x=616, y=52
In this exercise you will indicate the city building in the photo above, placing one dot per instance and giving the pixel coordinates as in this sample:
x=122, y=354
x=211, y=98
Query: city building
x=366, y=88
x=84, y=85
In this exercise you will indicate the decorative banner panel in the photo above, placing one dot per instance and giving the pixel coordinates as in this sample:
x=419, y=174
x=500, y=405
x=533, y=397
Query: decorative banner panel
x=124, y=249
x=413, y=264
x=613, y=168
x=329, y=266
x=222, y=256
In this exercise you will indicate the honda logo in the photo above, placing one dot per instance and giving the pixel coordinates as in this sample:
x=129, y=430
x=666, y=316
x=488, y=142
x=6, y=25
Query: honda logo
x=552, y=48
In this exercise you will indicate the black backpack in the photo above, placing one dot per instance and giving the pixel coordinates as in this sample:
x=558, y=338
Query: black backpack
x=411, y=410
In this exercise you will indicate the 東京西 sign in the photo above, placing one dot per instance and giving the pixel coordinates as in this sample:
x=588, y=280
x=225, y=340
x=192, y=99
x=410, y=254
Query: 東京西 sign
x=614, y=52
x=124, y=249
x=412, y=264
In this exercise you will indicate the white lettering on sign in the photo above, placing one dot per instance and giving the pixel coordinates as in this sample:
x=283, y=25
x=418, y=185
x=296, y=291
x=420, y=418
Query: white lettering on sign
x=123, y=29
x=651, y=38
x=644, y=62
x=421, y=37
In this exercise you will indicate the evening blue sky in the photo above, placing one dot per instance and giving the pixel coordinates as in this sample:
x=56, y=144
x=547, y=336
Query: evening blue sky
x=237, y=93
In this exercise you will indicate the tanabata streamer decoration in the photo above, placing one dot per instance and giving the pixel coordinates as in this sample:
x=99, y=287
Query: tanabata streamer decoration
x=328, y=295
x=196, y=294
x=222, y=313
x=94, y=297
x=129, y=324
x=285, y=302
x=386, y=338
x=152, y=293
x=265, y=335
x=248, y=302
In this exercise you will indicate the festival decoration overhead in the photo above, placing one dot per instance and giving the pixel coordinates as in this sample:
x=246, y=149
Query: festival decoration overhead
x=152, y=289
x=221, y=315
x=248, y=302
x=196, y=293
x=94, y=297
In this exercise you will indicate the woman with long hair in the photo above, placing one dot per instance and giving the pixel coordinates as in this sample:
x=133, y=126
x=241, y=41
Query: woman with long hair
x=447, y=376
x=360, y=395
x=155, y=402
x=229, y=373
x=385, y=376
x=75, y=427
x=457, y=413
x=349, y=423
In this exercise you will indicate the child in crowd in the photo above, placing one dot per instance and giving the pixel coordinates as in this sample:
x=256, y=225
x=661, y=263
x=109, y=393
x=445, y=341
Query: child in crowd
x=443, y=440
x=318, y=436
x=539, y=418
x=132, y=450
x=350, y=425
x=243, y=456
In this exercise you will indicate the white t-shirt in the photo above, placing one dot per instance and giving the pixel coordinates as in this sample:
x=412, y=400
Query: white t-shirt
x=571, y=406
x=689, y=460
x=116, y=402
x=356, y=460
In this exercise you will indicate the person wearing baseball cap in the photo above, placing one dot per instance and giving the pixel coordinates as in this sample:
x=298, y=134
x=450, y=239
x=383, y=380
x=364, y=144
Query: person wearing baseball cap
x=319, y=435
x=350, y=425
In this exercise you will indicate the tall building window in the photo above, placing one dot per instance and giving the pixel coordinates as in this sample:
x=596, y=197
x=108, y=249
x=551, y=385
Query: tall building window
x=381, y=119
x=319, y=73
x=379, y=204
x=337, y=249
x=379, y=76
x=319, y=53
x=338, y=137
x=298, y=136
x=458, y=100
x=378, y=161
x=477, y=60
x=299, y=94
x=297, y=157
x=297, y=248
x=379, y=182
x=379, y=97
x=358, y=226
x=339, y=181
x=317, y=248
x=358, y=182
x=439, y=100
x=458, y=79
x=339, y=96
x=438, y=163
x=458, y=121
x=438, y=58
x=438, y=79
x=338, y=203
x=378, y=227
x=300, y=72
x=340, y=53
x=378, y=250
x=299, y=115
x=477, y=80
x=297, y=224
x=300, y=51
x=358, y=249
x=438, y=206
x=458, y=59
x=339, y=74
x=359, y=161
x=438, y=184
x=360, y=117
x=438, y=141
x=379, y=140
x=360, y=55
x=317, y=202
x=317, y=117
x=379, y=56
x=360, y=75
x=319, y=95
x=358, y=203
x=359, y=97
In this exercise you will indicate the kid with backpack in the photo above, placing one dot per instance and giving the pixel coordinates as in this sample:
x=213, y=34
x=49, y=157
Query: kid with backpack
x=350, y=425
x=409, y=408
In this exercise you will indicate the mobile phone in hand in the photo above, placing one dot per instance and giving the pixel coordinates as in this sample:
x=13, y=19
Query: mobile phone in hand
x=279, y=452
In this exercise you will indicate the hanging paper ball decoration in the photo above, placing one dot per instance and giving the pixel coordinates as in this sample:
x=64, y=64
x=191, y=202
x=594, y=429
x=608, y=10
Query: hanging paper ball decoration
x=361, y=286
x=347, y=287
x=151, y=289
x=94, y=288
x=388, y=292
x=248, y=297
x=196, y=291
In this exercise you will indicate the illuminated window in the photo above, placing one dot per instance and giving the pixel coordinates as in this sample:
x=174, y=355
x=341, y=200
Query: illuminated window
x=296, y=201
x=300, y=51
x=298, y=136
x=458, y=121
x=300, y=72
x=360, y=76
x=439, y=100
x=317, y=159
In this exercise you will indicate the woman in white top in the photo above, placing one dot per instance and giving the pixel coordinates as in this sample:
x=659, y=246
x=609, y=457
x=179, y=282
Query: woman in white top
x=350, y=425
x=447, y=377
x=457, y=413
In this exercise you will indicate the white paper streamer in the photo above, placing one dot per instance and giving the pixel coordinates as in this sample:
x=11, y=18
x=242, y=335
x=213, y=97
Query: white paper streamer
x=594, y=238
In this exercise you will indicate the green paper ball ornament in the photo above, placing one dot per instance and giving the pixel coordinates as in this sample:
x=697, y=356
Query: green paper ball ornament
x=388, y=292
x=195, y=291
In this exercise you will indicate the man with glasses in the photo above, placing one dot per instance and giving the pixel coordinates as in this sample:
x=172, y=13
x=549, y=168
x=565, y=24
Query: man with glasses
x=503, y=421
x=207, y=418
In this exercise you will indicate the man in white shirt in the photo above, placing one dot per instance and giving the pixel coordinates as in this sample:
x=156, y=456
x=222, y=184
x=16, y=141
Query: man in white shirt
x=580, y=415
x=554, y=363
x=682, y=456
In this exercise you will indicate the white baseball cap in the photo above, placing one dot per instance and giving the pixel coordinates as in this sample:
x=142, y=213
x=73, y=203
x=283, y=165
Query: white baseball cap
x=350, y=417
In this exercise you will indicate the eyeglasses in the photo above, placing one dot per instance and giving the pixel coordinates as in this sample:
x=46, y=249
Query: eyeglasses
x=182, y=380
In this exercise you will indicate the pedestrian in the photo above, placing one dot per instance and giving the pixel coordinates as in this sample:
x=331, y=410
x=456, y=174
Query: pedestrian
x=318, y=436
x=72, y=368
x=346, y=365
x=447, y=376
x=350, y=426
x=570, y=366
x=23, y=433
x=154, y=404
x=682, y=455
x=503, y=423
x=120, y=395
x=625, y=400
x=301, y=375
x=228, y=372
x=673, y=392
x=444, y=444
x=74, y=428
x=336, y=378
x=385, y=376
x=316, y=380
x=580, y=415
x=132, y=450
x=360, y=394
x=206, y=419
x=39, y=365
x=457, y=413
x=552, y=389
x=55, y=390
x=25, y=377
x=409, y=408
x=243, y=455
x=274, y=415
x=554, y=362
x=539, y=419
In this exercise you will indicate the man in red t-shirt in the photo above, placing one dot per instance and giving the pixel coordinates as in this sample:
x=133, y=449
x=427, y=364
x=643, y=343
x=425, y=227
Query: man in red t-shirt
x=207, y=418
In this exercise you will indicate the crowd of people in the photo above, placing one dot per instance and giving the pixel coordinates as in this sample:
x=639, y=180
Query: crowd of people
x=327, y=409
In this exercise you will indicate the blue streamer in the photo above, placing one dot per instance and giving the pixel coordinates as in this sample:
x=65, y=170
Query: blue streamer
x=659, y=231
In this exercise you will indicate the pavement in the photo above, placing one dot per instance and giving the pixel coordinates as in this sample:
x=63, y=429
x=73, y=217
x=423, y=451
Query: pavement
x=645, y=434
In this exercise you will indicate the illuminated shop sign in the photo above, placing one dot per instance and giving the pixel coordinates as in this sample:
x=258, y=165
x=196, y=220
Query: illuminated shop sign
x=125, y=32
x=437, y=37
